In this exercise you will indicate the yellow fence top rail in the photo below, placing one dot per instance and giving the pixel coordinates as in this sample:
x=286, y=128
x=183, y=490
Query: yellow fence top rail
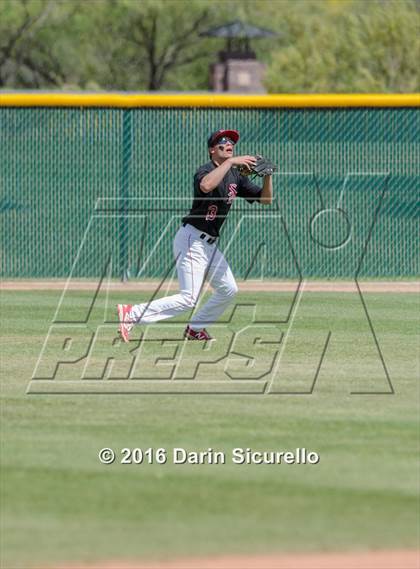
x=132, y=100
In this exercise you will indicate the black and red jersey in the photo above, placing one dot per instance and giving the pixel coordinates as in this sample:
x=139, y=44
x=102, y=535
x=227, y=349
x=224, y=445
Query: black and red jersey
x=209, y=210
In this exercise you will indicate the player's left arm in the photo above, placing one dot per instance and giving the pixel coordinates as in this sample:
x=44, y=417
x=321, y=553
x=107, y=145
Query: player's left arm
x=266, y=196
x=251, y=192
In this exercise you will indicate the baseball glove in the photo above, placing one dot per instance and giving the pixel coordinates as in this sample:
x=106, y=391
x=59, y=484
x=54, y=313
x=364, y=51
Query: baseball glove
x=263, y=167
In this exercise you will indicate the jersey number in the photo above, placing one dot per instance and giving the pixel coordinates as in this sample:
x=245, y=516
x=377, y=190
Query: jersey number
x=211, y=213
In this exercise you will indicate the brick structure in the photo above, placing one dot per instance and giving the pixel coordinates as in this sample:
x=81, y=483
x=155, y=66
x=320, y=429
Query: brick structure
x=238, y=76
x=238, y=69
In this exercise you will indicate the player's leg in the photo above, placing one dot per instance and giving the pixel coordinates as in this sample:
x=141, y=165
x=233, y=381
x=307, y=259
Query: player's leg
x=191, y=262
x=225, y=288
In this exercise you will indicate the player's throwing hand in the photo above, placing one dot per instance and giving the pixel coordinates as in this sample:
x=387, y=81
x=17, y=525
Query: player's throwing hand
x=244, y=162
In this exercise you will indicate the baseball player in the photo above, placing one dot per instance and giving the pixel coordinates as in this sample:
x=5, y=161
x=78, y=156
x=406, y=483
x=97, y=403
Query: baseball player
x=216, y=185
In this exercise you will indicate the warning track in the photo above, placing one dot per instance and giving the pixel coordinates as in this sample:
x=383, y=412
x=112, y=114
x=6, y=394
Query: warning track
x=354, y=560
x=244, y=286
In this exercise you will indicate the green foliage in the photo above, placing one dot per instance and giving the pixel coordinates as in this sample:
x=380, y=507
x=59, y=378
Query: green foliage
x=322, y=45
x=371, y=47
x=39, y=44
x=144, y=42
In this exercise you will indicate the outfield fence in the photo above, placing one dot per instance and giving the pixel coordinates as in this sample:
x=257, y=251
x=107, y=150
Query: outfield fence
x=96, y=183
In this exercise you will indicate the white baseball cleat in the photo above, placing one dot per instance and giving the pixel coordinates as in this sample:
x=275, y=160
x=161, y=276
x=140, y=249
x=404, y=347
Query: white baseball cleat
x=126, y=324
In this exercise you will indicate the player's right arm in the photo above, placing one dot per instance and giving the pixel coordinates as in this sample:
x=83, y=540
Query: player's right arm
x=213, y=178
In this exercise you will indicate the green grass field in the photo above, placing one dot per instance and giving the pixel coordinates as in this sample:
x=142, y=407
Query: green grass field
x=59, y=504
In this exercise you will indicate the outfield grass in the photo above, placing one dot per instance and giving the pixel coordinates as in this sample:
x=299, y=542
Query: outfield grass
x=60, y=504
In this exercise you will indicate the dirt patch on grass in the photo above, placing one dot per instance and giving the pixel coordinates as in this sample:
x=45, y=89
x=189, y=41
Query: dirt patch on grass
x=244, y=286
x=362, y=560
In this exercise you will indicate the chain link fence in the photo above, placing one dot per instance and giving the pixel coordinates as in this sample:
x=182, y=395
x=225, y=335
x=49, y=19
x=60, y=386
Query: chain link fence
x=85, y=191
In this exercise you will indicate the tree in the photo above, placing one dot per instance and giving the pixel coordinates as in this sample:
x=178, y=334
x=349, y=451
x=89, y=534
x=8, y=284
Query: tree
x=28, y=32
x=368, y=47
x=135, y=45
x=146, y=42
x=161, y=55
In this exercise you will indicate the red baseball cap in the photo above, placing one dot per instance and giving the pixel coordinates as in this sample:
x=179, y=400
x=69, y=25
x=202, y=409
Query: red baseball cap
x=214, y=137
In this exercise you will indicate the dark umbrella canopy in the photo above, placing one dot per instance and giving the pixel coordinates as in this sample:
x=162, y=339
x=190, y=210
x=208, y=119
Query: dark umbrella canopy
x=238, y=30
